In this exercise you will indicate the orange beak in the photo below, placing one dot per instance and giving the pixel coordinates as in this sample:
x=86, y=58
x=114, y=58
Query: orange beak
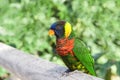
x=51, y=32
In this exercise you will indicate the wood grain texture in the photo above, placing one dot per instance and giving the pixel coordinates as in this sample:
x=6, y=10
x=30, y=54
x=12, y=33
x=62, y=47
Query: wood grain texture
x=28, y=67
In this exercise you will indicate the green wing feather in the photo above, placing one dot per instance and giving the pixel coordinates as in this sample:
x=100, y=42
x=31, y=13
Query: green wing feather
x=83, y=54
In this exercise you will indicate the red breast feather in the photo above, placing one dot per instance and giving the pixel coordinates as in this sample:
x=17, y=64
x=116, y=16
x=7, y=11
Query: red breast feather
x=64, y=46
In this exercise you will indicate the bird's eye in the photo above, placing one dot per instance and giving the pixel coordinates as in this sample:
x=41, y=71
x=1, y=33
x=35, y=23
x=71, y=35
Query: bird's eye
x=58, y=27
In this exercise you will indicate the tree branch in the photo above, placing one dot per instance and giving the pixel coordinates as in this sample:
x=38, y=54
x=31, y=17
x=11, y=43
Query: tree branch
x=28, y=67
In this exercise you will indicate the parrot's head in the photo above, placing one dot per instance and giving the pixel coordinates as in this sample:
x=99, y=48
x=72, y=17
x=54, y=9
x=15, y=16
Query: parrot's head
x=61, y=29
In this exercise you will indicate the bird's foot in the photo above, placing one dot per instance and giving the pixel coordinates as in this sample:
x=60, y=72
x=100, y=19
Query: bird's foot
x=68, y=72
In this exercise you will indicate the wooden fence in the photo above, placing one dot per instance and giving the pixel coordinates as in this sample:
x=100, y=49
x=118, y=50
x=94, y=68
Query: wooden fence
x=28, y=67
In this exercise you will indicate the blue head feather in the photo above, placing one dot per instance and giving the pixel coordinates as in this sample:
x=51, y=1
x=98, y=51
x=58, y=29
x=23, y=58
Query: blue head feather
x=53, y=26
x=58, y=32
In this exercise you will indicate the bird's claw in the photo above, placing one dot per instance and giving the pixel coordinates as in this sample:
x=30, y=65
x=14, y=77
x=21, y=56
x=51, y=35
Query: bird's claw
x=68, y=72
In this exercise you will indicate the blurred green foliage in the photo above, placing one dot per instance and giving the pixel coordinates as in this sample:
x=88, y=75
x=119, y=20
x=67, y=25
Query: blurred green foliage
x=24, y=25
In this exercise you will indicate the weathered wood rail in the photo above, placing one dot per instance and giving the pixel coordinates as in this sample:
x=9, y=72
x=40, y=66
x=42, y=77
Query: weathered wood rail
x=28, y=67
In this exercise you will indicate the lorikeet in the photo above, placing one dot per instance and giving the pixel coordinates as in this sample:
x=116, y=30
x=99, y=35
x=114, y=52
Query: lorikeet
x=73, y=51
